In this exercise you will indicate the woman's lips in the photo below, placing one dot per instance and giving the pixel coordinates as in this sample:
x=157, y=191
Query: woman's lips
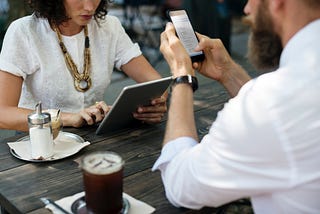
x=86, y=17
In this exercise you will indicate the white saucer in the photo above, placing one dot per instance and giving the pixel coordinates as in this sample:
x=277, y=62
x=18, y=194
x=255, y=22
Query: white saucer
x=65, y=145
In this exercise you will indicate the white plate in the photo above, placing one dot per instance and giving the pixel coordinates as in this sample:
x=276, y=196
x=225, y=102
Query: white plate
x=65, y=145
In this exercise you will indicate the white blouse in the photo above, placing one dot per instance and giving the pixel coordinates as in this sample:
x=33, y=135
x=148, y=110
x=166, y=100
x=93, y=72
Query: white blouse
x=31, y=50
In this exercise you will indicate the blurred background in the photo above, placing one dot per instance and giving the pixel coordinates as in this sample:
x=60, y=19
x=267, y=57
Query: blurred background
x=144, y=20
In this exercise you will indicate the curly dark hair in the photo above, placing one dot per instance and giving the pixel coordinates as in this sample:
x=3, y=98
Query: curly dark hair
x=55, y=12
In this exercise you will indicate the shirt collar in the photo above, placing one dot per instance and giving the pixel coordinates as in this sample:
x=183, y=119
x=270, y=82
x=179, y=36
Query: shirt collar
x=304, y=39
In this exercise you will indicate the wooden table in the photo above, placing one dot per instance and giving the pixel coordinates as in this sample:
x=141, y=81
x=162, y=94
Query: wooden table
x=24, y=183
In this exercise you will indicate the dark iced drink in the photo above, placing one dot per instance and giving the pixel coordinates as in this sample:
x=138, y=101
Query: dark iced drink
x=102, y=178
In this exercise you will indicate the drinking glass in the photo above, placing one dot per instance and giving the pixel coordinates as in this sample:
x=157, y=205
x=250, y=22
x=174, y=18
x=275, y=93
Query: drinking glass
x=103, y=182
x=56, y=122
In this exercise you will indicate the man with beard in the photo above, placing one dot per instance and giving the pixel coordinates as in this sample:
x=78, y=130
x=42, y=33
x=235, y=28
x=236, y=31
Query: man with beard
x=265, y=143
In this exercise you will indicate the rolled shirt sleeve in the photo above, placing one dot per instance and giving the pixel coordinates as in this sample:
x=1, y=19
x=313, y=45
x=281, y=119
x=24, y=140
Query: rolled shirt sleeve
x=171, y=149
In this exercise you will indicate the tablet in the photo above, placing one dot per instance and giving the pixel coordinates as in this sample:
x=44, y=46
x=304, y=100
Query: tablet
x=130, y=98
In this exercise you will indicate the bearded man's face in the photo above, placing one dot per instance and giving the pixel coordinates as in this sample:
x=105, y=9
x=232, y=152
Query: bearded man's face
x=264, y=44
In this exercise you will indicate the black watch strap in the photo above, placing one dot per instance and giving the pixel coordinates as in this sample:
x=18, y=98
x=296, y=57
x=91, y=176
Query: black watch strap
x=187, y=79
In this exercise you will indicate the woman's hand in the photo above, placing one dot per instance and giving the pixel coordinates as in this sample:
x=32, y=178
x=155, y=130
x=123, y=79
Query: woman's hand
x=153, y=113
x=87, y=116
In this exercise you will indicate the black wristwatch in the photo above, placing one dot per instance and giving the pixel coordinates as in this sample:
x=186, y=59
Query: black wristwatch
x=187, y=79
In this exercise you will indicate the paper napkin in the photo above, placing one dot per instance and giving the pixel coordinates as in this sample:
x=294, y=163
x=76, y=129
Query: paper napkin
x=136, y=206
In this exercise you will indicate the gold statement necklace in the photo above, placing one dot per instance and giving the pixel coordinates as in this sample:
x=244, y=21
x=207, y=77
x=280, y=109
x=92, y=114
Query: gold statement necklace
x=82, y=81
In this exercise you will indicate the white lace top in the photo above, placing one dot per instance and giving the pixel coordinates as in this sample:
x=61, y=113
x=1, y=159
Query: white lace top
x=31, y=50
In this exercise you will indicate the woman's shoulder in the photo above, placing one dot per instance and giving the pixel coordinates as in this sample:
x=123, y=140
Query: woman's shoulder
x=110, y=21
x=110, y=25
x=28, y=23
x=20, y=22
x=24, y=21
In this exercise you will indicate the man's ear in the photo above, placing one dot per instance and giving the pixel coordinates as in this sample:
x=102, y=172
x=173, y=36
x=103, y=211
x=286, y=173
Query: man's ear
x=277, y=10
x=276, y=5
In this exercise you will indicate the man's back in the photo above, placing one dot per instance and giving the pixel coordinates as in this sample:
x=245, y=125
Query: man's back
x=264, y=144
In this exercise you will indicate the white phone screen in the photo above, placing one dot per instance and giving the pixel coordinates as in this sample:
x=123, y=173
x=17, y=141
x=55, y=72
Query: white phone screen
x=185, y=31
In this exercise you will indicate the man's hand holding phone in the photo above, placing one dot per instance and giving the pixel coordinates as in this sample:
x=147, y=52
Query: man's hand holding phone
x=175, y=53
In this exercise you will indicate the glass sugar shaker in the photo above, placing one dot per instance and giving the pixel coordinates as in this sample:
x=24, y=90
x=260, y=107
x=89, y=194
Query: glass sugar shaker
x=40, y=132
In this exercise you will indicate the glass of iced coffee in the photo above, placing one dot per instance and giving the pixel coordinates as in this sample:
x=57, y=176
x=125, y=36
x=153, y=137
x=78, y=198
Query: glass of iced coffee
x=102, y=179
x=56, y=122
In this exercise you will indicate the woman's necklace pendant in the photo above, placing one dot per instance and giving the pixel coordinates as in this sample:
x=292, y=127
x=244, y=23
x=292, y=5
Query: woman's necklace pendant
x=82, y=82
x=82, y=85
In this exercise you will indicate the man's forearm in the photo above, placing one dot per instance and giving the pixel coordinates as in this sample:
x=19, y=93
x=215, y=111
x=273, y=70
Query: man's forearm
x=234, y=79
x=181, y=116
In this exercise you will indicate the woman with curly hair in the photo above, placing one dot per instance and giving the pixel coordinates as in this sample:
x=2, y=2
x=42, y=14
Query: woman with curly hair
x=63, y=55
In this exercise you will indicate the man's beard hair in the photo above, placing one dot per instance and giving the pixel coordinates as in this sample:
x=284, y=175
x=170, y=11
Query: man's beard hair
x=264, y=44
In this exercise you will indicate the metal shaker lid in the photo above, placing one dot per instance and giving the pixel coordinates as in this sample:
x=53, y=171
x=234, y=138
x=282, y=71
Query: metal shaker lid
x=38, y=117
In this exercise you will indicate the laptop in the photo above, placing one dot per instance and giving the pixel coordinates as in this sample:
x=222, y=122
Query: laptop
x=130, y=98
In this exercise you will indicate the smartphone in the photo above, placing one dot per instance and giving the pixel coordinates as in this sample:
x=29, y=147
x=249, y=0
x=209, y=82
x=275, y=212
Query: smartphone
x=186, y=33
